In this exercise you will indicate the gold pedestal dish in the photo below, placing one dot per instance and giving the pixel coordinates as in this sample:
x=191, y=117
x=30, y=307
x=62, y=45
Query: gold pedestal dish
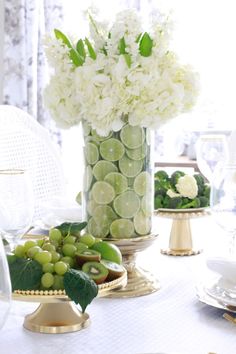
x=180, y=241
x=140, y=282
x=56, y=313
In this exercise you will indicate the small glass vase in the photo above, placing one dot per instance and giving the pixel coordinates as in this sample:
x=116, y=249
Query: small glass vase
x=118, y=183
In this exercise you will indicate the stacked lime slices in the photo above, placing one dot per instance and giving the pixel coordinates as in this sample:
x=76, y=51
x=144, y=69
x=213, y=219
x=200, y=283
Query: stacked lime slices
x=118, y=183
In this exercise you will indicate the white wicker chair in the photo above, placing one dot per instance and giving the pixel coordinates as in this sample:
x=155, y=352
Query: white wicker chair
x=25, y=144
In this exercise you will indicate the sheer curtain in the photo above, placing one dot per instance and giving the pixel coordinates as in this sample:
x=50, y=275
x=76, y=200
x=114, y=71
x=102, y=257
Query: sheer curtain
x=25, y=70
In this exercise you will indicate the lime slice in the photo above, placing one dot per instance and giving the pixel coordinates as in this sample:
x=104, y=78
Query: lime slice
x=118, y=181
x=97, y=230
x=138, y=153
x=99, y=137
x=143, y=183
x=122, y=228
x=142, y=224
x=91, y=206
x=130, y=168
x=112, y=149
x=132, y=137
x=86, y=128
x=127, y=204
x=104, y=214
x=103, y=192
x=91, y=153
x=91, y=139
x=147, y=204
x=130, y=182
x=102, y=168
x=88, y=177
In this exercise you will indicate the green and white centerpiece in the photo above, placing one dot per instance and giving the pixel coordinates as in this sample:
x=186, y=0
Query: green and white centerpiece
x=120, y=83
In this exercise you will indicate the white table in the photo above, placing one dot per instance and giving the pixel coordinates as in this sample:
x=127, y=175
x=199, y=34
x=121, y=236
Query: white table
x=172, y=320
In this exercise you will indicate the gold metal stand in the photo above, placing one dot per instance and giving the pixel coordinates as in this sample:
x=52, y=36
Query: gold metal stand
x=180, y=241
x=56, y=313
x=140, y=282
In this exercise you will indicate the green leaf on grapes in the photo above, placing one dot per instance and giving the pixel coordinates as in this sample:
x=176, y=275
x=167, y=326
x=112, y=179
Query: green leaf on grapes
x=72, y=228
x=25, y=274
x=145, y=45
x=80, y=288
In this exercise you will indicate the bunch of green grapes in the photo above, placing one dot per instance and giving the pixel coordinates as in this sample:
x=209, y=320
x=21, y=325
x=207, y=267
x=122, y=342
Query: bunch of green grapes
x=56, y=253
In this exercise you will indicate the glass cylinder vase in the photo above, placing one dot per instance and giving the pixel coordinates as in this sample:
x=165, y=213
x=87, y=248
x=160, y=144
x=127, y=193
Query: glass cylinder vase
x=118, y=182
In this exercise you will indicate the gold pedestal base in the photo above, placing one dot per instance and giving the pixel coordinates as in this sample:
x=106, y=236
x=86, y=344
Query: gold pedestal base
x=56, y=318
x=180, y=241
x=140, y=282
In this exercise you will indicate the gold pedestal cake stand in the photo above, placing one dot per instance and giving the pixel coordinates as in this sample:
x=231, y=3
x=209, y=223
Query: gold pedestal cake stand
x=56, y=313
x=180, y=241
x=140, y=282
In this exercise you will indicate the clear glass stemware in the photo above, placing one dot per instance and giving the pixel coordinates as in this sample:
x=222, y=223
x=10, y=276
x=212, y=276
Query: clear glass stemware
x=223, y=202
x=16, y=204
x=5, y=286
x=211, y=149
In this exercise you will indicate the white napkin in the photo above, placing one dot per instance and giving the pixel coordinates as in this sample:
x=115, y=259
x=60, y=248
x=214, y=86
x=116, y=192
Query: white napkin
x=223, y=266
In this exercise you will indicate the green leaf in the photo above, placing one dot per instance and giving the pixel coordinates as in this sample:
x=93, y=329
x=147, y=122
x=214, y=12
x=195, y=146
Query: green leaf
x=25, y=274
x=75, y=57
x=80, y=48
x=138, y=38
x=91, y=51
x=145, y=45
x=122, y=46
x=62, y=36
x=128, y=59
x=72, y=228
x=80, y=288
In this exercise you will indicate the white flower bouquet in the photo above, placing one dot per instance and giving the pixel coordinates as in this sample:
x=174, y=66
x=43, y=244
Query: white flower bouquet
x=120, y=75
x=119, y=83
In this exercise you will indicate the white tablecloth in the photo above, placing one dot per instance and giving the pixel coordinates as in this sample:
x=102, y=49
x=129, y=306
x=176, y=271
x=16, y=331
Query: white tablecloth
x=171, y=320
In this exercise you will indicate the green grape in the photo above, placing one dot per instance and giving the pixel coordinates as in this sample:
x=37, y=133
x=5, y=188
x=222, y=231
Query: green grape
x=40, y=242
x=58, y=282
x=28, y=244
x=48, y=247
x=60, y=268
x=81, y=246
x=55, y=256
x=69, y=250
x=70, y=239
x=43, y=257
x=47, y=280
x=48, y=267
x=19, y=251
x=87, y=239
x=69, y=260
x=55, y=235
x=31, y=252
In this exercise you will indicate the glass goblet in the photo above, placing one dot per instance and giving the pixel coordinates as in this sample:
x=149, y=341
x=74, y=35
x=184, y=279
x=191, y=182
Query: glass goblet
x=211, y=149
x=5, y=286
x=223, y=201
x=16, y=204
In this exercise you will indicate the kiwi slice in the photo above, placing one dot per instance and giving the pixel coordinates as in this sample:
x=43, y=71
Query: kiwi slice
x=87, y=256
x=96, y=271
x=115, y=270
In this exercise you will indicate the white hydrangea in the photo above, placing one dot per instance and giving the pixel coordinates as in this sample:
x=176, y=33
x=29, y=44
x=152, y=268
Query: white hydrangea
x=148, y=92
x=187, y=186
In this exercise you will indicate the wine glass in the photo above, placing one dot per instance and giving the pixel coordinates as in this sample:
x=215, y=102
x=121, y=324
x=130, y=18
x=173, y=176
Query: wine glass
x=211, y=149
x=16, y=204
x=223, y=201
x=5, y=286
